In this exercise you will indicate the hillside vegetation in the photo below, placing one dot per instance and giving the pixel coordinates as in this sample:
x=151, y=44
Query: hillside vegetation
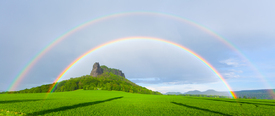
x=105, y=81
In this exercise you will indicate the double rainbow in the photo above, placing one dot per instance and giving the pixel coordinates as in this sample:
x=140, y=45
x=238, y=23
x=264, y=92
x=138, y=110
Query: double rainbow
x=143, y=38
x=39, y=55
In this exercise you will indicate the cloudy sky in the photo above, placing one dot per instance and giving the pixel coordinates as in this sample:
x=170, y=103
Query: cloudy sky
x=27, y=27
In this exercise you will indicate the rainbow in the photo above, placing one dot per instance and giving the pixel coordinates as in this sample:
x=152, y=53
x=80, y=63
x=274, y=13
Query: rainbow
x=39, y=55
x=142, y=38
x=47, y=48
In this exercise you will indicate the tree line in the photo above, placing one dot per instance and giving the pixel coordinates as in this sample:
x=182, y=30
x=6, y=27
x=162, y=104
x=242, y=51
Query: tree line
x=200, y=95
x=105, y=81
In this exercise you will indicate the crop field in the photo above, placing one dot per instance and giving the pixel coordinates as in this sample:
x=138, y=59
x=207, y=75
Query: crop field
x=99, y=102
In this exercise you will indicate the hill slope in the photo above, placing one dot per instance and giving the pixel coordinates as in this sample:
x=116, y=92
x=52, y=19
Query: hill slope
x=112, y=70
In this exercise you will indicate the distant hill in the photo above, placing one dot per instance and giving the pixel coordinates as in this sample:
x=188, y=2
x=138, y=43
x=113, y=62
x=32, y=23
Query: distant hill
x=103, y=78
x=173, y=93
x=258, y=94
x=195, y=92
x=208, y=92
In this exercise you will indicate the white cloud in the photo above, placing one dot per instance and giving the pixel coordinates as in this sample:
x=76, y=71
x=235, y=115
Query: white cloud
x=232, y=73
x=233, y=62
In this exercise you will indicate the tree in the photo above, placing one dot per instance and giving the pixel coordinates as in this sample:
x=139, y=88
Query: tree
x=244, y=97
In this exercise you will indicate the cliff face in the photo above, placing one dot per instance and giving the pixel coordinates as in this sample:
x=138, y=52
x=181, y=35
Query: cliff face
x=114, y=71
x=98, y=70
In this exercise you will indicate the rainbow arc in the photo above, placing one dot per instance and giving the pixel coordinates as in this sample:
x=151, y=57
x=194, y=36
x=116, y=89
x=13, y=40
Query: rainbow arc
x=61, y=38
x=142, y=38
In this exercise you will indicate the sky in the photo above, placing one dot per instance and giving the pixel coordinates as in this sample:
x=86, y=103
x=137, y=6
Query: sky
x=27, y=27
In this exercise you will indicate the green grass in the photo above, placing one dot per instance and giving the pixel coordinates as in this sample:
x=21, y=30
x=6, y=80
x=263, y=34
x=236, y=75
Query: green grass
x=93, y=102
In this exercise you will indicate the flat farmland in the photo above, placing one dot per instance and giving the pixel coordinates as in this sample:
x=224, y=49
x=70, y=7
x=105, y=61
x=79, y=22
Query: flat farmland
x=99, y=102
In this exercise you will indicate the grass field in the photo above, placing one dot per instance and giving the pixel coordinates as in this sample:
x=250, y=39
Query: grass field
x=94, y=102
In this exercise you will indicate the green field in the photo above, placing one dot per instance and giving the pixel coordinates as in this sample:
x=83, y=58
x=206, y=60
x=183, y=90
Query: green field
x=99, y=102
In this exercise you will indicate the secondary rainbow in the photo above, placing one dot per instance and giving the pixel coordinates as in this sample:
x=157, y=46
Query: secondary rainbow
x=142, y=38
x=47, y=48
x=40, y=54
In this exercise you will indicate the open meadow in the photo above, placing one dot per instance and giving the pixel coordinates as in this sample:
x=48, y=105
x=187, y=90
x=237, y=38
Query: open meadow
x=100, y=102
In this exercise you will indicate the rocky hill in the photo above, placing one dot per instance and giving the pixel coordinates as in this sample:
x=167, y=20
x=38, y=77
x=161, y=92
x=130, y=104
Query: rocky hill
x=100, y=78
x=98, y=70
x=112, y=70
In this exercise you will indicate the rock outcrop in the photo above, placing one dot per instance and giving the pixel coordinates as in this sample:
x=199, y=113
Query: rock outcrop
x=97, y=70
x=119, y=73
x=114, y=71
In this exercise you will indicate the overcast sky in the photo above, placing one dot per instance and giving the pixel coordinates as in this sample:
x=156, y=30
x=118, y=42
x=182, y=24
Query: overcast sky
x=27, y=27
